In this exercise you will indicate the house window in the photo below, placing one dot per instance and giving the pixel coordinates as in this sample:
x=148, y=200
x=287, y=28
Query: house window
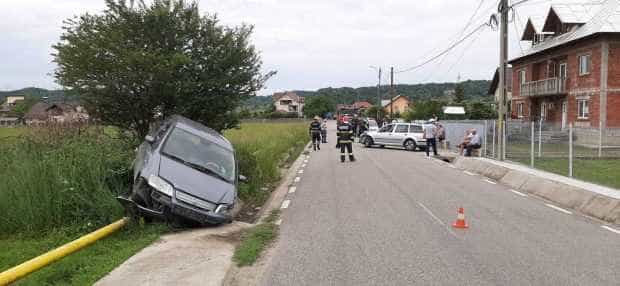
x=583, y=110
x=585, y=62
x=522, y=76
x=520, y=110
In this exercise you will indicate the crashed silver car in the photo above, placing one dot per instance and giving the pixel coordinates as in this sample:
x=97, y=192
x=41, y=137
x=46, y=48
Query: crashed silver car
x=184, y=170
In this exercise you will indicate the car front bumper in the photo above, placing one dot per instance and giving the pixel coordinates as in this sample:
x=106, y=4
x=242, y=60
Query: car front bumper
x=178, y=208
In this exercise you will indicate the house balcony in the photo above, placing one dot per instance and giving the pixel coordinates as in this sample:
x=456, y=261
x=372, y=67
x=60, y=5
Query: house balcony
x=549, y=86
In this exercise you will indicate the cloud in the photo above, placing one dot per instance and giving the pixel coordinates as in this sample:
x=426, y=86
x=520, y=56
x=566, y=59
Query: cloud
x=312, y=44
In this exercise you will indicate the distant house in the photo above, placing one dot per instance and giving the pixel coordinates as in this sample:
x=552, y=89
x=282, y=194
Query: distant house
x=13, y=100
x=570, y=74
x=493, y=88
x=288, y=102
x=42, y=113
x=397, y=104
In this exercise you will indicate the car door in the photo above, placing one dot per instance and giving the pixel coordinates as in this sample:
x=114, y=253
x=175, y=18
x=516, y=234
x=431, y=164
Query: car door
x=383, y=135
x=416, y=132
x=399, y=134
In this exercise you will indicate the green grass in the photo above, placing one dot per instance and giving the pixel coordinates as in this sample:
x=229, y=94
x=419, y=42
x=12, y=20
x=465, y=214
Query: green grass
x=11, y=132
x=261, y=149
x=83, y=267
x=255, y=240
x=603, y=171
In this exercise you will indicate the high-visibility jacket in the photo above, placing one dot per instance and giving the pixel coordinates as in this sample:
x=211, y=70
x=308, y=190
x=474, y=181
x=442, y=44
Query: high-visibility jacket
x=345, y=133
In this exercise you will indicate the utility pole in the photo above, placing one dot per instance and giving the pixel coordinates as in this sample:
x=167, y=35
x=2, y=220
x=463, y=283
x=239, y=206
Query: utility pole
x=391, y=93
x=503, y=55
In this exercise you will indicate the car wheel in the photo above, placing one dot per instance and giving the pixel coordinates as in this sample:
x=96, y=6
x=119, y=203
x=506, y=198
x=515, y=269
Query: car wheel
x=410, y=145
x=367, y=142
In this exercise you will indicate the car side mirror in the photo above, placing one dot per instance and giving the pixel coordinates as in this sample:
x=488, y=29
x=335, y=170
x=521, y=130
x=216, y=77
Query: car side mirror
x=243, y=178
x=149, y=139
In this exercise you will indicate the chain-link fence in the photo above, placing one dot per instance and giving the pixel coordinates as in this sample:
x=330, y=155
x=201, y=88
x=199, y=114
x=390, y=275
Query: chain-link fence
x=587, y=153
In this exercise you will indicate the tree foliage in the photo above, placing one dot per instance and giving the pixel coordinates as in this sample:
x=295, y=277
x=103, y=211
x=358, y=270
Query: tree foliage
x=459, y=94
x=424, y=110
x=318, y=106
x=23, y=106
x=132, y=65
x=372, y=112
x=480, y=110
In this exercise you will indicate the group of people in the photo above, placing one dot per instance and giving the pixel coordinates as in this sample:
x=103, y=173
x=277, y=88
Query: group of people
x=318, y=132
x=471, y=141
x=434, y=133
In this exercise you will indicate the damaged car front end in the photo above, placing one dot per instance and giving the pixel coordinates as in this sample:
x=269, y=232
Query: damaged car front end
x=184, y=170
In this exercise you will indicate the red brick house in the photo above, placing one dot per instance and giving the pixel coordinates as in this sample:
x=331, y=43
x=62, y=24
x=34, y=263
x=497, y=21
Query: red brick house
x=571, y=73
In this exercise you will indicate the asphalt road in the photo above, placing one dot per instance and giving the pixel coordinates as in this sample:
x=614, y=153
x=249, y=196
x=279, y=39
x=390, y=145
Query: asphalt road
x=386, y=220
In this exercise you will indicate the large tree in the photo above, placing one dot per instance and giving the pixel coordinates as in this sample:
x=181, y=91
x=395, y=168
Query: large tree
x=132, y=65
x=318, y=106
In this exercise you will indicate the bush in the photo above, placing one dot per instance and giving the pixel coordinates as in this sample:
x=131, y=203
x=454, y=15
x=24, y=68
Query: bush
x=61, y=177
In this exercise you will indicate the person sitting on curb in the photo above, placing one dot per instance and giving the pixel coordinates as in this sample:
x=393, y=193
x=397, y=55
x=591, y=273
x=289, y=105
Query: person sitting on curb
x=474, y=143
x=466, y=140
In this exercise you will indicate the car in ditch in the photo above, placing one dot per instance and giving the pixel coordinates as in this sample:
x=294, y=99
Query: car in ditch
x=407, y=135
x=184, y=170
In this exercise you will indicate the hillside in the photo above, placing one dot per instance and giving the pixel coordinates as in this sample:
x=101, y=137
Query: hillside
x=475, y=90
x=53, y=95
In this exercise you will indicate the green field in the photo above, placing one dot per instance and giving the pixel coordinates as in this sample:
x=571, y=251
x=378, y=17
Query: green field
x=58, y=184
x=602, y=172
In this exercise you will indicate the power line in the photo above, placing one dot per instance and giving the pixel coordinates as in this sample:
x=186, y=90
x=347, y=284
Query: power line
x=446, y=50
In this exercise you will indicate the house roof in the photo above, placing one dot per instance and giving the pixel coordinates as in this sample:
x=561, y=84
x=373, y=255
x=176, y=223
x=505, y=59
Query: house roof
x=40, y=110
x=362, y=104
x=533, y=26
x=453, y=110
x=604, y=17
x=495, y=81
x=386, y=102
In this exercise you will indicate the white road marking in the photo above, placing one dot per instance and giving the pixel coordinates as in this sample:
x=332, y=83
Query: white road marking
x=469, y=173
x=300, y=172
x=519, y=193
x=306, y=161
x=437, y=219
x=279, y=222
x=285, y=204
x=610, y=229
x=452, y=166
x=558, y=209
x=292, y=190
x=297, y=179
x=490, y=182
x=303, y=165
x=431, y=214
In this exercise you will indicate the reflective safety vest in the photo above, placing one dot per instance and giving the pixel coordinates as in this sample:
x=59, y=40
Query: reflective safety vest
x=315, y=128
x=345, y=133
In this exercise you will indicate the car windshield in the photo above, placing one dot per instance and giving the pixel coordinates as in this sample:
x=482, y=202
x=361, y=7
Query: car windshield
x=201, y=154
x=372, y=123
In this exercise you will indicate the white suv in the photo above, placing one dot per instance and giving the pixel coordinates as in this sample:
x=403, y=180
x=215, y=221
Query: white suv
x=407, y=135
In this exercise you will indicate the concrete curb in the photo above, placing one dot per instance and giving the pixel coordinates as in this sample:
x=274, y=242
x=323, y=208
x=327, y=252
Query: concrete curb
x=568, y=193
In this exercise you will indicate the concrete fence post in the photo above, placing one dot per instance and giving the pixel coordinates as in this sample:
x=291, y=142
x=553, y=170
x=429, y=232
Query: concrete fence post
x=532, y=144
x=504, y=141
x=540, y=138
x=600, y=139
x=493, y=143
x=484, y=147
x=570, y=150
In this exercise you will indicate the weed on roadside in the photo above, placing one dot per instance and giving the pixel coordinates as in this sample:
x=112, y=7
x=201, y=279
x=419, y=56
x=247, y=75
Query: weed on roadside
x=255, y=240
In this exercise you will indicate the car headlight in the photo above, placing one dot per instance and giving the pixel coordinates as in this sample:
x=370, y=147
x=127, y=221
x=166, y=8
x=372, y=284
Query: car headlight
x=160, y=185
x=221, y=209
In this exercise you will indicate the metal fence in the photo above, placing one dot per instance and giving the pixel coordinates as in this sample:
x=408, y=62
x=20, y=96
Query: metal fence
x=587, y=153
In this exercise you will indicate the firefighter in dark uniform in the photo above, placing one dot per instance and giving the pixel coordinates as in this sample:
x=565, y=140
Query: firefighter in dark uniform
x=345, y=141
x=315, y=132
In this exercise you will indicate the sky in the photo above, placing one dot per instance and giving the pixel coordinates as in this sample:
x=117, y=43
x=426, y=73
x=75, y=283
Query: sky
x=310, y=43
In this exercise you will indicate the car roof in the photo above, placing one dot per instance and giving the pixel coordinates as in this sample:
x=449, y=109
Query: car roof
x=199, y=129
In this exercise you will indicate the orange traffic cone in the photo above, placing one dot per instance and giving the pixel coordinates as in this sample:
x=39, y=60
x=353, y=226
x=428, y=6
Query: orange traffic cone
x=460, y=220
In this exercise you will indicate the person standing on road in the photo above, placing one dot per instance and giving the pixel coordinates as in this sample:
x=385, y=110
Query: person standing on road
x=430, y=133
x=345, y=141
x=324, y=131
x=315, y=132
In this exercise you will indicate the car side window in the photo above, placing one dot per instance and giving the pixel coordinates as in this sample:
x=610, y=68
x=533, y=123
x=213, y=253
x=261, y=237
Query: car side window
x=415, y=129
x=387, y=128
x=402, y=128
